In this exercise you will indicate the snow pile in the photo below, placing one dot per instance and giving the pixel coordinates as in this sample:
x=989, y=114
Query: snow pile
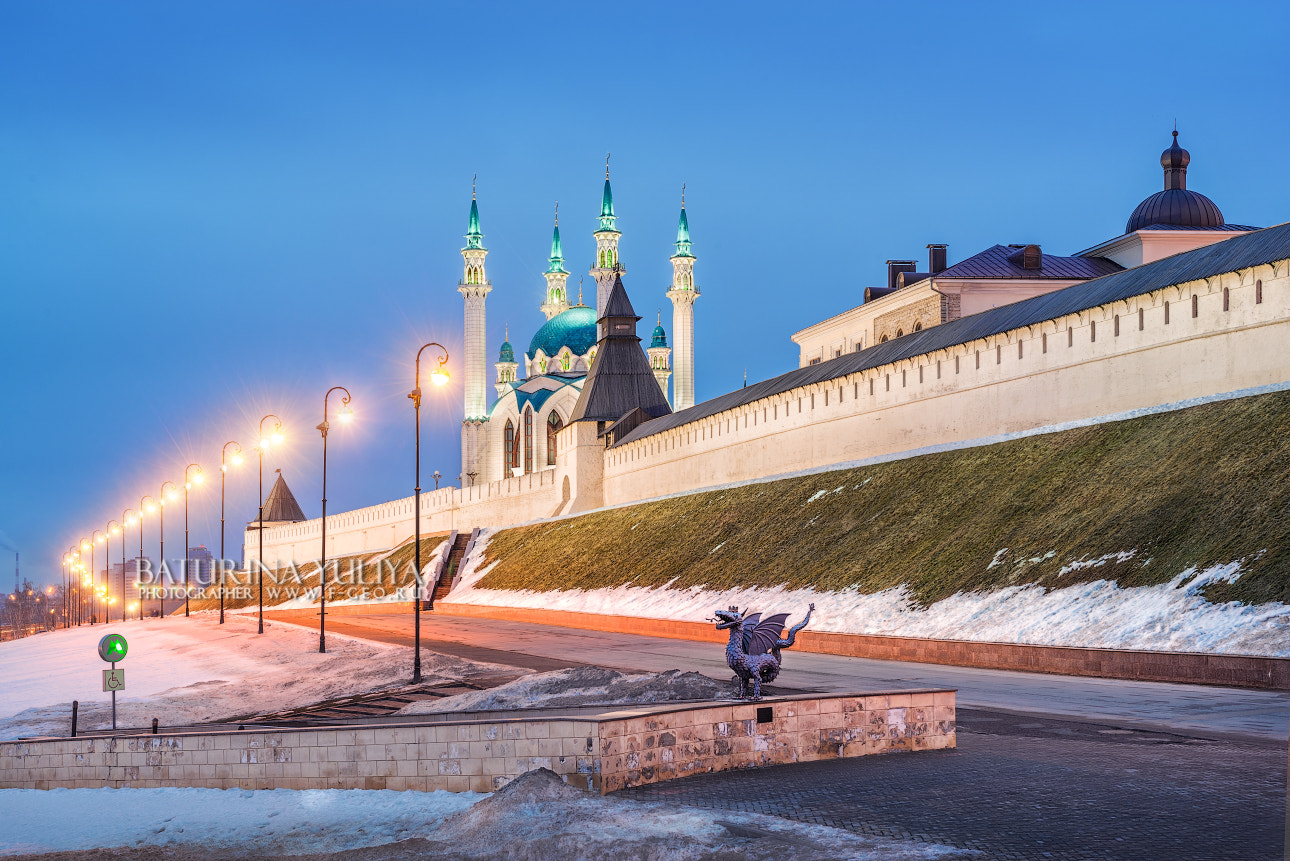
x=1172, y=616
x=183, y=671
x=580, y=686
x=273, y=821
x=536, y=817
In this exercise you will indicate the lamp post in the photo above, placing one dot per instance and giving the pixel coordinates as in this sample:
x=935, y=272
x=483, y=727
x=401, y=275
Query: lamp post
x=188, y=485
x=437, y=476
x=112, y=528
x=72, y=555
x=161, y=502
x=94, y=577
x=67, y=565
x=86, y=544
x=346, y=415
x=127, y=519
x=223, y=469
x=138, y=565
x=274, y=439
x=440, y=376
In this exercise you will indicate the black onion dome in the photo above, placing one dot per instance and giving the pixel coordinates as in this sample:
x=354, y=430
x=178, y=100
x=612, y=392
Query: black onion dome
x=1176, y=206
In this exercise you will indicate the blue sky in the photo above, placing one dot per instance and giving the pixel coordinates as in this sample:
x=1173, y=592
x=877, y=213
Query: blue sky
x=212, y=211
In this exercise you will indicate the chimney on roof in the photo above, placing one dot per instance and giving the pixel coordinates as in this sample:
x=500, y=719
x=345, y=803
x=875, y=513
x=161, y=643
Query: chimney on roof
x=894, y=268
x=936, y=258
x=1032, y=257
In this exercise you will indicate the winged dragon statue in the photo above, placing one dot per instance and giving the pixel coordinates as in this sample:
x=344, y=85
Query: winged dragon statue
x=753, y=649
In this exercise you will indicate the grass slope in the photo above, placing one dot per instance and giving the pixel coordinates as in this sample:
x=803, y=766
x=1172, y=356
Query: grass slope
x=1209, y=484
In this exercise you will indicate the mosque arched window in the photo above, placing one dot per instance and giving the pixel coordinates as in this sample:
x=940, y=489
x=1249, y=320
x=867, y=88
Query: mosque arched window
x=882, y=340
x=509, y=454
x=554, y=424
x=900, y=333
x=528, y=439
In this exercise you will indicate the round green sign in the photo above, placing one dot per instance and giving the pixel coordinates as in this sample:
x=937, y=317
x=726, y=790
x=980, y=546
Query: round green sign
x=112, y=648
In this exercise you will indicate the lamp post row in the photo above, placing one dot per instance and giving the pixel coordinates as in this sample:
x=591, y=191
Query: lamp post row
x=147, y=505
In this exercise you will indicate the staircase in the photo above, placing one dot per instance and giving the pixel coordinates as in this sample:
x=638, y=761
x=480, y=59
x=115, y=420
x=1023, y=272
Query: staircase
x=455, y=554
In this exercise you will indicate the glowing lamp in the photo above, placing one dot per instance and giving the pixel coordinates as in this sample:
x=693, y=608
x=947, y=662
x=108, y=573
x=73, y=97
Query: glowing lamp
x=440, y=376
x=346, y=414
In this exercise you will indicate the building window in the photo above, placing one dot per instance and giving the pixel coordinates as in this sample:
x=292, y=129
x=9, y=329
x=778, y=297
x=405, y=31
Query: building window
x=918, y=327
x=1166, y=312
x=1070, y=336
x=978, y=360
x=1195, y=305
x=1142, y=319
x=837, y=352
x=553, y=426
x=510, y=457
x=813, y=362
x=1092, y=330
x=882, y=340
x=956, y=364
x=528, y=439
x=998, y=354
x=1043, y=343
x=1258, y=292
x=1020, y=350
x=900, y=333
x=871, y=386
x=904, y=381
x=938, y=369
x=889, y=382
x=1227, y=299
x=1117, y=325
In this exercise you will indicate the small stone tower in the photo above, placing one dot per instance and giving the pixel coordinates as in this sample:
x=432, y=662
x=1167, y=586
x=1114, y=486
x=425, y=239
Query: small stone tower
x=506, y=366
x=607, y=267
x=683, y=294
x=660, y=355
x=557, y=294
x=474, y=288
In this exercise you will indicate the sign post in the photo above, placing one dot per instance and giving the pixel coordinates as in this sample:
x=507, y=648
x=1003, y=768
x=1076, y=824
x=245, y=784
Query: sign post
x=112, y=648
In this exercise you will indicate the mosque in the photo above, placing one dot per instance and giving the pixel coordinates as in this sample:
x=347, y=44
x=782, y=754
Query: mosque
x=518, y=434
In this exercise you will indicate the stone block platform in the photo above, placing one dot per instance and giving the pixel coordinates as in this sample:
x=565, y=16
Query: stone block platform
x=592, y=748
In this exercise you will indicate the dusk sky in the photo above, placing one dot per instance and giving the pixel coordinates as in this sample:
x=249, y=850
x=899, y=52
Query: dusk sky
x=210, y=212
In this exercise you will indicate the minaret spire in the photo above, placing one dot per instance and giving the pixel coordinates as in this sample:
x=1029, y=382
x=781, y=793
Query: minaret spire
x=660, y=354
x=607, y=236
x=683, y=294
x=474, y=288
x=557, y=294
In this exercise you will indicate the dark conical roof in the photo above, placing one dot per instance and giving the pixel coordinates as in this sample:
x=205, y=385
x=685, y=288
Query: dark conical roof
x=620, y=379
x=1176, y=206
x=280, y=505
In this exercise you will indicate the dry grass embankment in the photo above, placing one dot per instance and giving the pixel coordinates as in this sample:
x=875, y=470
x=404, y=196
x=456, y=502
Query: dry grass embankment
x=1195, y=487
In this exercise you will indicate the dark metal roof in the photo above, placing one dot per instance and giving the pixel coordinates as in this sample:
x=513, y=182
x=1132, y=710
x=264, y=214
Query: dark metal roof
x=621, y=378
x=281, y=504
x=1240, y=252
x=1180, y=207
x=1211, y=227
x=1002, y=261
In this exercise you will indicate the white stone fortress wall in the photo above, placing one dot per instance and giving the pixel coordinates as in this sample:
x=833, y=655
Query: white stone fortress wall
x=1098, y=362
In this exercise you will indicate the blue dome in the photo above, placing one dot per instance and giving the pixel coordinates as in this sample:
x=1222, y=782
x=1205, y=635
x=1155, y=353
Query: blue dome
x=660, y=337
x=574, y=328
x=507, y=354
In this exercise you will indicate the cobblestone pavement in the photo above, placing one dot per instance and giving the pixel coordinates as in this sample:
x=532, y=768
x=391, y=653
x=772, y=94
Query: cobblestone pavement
x=1027, y=787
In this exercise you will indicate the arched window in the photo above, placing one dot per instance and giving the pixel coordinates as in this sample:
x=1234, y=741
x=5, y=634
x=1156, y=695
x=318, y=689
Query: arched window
x=882, y=340
x=528, y=439
x=509, y=454
x=918, y=327
x=553, y=426
x=900, y=333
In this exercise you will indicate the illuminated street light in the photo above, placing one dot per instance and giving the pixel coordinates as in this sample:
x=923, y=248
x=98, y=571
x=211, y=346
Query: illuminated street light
x=236, y=460
x=149, y=507
x=127, y=519
x=346, y=415
x=161, y=571
x=439, y=377
x=274, y=439
x=188, y=483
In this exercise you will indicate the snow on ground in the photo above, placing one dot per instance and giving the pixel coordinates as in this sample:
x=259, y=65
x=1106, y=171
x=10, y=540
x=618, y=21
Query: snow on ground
x=183, y=671
x=1172, y=616
x=275, y=821
x=535, y=818
x=580, y=686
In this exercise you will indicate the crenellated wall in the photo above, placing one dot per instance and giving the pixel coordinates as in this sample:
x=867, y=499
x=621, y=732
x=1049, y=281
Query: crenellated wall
x=1098, y=362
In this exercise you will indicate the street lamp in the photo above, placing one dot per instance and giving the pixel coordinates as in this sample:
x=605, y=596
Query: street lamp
x=346, y=416
x=94, y=576
x=440, y=377
x=127, y=519
x=163, y=495
x=86, y=544
x=223, y=469
x=265, y=441
x=67, y=567
x=150, y=507
x=196, y=478
x=112, y=528
x=437, y=476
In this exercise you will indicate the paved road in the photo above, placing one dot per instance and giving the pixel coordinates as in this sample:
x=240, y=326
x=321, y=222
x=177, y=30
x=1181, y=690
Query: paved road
x=1047, y=768
x=1197, y=710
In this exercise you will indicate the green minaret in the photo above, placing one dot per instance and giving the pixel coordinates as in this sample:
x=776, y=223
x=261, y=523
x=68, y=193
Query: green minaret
x=557, y=294
x=607, y=267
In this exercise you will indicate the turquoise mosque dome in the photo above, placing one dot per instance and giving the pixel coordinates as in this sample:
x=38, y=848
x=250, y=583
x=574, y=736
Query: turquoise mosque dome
x=507, y=354
x=574, y=328
x=660, y=337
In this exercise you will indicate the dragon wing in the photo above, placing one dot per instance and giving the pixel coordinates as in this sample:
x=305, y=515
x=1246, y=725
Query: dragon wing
x=762, y=638
x=747, y=628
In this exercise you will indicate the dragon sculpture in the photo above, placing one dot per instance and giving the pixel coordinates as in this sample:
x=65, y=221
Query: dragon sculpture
x=753, y=650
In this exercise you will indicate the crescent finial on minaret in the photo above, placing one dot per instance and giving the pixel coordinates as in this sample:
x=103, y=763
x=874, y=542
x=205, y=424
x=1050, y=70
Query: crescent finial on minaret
x=683, y=195
x=607, y=164
x=472, y=185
